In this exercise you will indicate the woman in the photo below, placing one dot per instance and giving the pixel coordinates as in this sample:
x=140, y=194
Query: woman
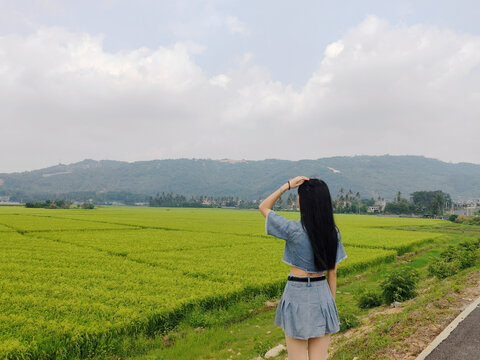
x=307, y=309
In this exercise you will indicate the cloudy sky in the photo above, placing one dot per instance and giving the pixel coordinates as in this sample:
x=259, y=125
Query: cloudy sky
x=143, y=80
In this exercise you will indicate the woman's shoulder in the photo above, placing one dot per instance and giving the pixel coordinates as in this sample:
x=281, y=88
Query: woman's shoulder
x=279, y=226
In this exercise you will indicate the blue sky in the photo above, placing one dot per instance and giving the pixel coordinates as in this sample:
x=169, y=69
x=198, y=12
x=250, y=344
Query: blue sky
x=238, y=79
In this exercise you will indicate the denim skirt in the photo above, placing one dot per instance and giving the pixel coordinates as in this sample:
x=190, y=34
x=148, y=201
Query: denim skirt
x=307, y=310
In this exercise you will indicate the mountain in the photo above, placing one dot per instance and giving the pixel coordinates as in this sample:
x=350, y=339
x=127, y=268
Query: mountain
x=372, y=176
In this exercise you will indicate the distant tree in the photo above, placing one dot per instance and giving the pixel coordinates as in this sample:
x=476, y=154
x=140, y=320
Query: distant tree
x=86, y=205
x=437, y=204
x=369, y=202
x=348, y=203
x=48, y=204
x=350, y=193
x=430, y=201
x=398, y=207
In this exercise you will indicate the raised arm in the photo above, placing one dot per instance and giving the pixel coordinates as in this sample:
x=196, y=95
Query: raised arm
x=267, y=204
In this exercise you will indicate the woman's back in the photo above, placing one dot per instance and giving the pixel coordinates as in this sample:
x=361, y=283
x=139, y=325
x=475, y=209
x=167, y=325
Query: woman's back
x=298, y=249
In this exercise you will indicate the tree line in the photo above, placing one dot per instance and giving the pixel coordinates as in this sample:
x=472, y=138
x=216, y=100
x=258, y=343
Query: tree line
x=421, y=202
x=202, y=201
x=57, y=204
x=347, y=202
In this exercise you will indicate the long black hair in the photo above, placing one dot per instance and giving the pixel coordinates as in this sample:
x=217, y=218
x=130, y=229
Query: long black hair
x=317, y=220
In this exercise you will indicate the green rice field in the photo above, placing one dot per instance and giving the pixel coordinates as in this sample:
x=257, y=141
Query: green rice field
x=73, y=282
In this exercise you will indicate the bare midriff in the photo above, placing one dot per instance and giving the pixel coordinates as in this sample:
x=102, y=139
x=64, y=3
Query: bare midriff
x=299, y=272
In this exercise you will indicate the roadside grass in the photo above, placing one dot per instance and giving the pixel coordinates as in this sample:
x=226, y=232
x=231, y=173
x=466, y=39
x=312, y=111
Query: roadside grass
x=389, y=330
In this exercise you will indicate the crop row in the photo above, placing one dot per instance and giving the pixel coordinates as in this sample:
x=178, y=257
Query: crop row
x=197, y=220
x=245, y=259
x=206, y=224
x=55, y=292
x=398, y=240
x=74, y=282
x=25, y=222
x=63, y=300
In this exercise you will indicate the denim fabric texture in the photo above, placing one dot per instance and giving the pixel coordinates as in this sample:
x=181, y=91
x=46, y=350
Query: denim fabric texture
x=298, y=250
x=306, y=309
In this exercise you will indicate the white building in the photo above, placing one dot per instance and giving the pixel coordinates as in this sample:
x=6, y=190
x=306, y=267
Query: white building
x=373, y=209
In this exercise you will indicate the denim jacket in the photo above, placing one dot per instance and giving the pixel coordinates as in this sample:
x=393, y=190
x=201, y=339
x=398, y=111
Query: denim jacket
x=298, y=250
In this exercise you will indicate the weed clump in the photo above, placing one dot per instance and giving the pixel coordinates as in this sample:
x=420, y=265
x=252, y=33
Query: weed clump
x=348, y=320
x=370, y=299
x=442, y=269
x=455, y=258
x=468, y=220
x=400, y=285
x=261, y=347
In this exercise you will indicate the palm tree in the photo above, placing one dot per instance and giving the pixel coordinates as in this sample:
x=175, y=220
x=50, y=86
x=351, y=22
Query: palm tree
x=357, y=195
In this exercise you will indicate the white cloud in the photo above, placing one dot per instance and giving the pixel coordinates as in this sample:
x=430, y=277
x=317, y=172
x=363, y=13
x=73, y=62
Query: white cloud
x=220, y=80
x=235, y=26
x=379, y=89
x=371, y=25
x=334, y=49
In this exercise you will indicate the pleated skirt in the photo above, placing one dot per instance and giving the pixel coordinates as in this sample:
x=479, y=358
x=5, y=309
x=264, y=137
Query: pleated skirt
x=307, y=310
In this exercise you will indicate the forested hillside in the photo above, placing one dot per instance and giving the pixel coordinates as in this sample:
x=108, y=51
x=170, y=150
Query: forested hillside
x=371, y=176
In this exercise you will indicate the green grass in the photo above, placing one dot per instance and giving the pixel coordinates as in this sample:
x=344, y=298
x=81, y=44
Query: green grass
x=399, y=240
x=81, y=283
x=245, y=259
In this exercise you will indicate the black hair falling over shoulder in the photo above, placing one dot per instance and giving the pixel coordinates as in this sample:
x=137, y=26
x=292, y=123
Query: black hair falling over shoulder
x=317, y=220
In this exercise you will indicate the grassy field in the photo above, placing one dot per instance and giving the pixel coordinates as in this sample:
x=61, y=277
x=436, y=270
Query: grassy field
x=81, y=283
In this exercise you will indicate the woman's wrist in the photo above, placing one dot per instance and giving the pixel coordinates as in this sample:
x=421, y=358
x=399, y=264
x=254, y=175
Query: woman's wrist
x=284, y=187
